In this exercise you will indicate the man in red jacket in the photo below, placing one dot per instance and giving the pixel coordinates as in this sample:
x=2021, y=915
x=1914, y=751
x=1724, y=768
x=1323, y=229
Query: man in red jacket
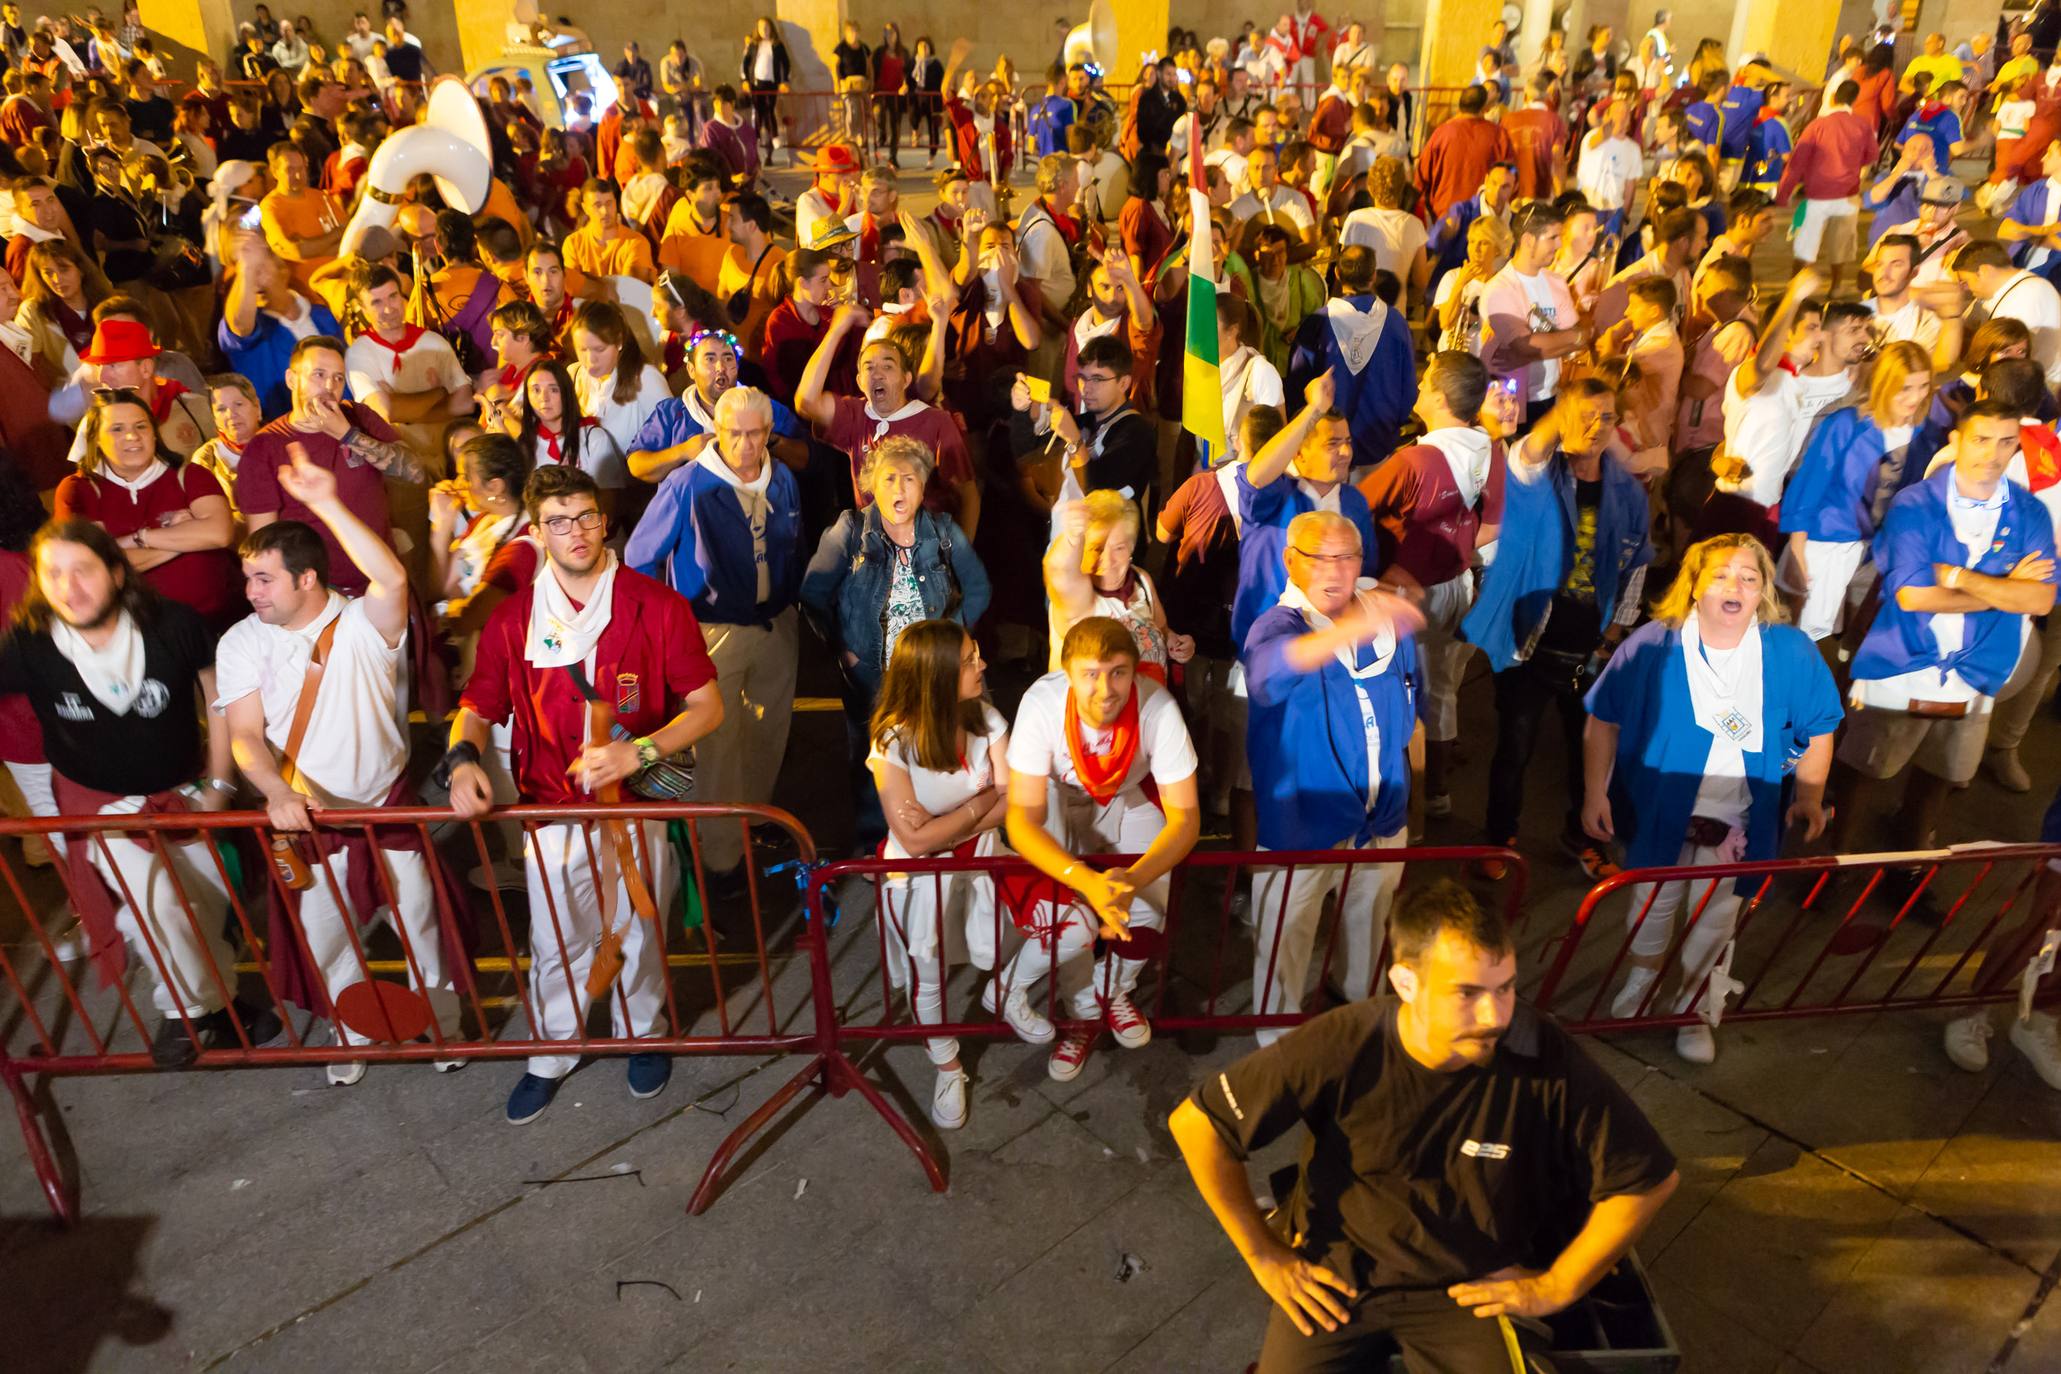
x=1457, y=157
x=1827, y=165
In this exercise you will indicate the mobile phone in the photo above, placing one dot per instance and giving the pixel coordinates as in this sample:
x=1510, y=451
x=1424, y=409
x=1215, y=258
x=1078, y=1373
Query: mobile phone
x=1509, y=385
x=251, y=218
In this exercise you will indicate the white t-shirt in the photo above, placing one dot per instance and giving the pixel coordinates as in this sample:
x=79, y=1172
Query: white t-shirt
x=2032, y=301
x=1545, y=318
x=1908, y=323
x=428, y=364
x=1465, y=334
x=1037, y=744
x=1768, y=429
x=1394, y=235
x=943, y=793
x=1286, y=203
x=1231, y=160
x=1247, y=380
x=600, y=459
x=1723, y=795
x=622, y=419
x=356, y=744
x=1606, y=170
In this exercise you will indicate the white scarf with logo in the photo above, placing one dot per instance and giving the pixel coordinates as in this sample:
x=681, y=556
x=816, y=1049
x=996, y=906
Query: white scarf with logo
x=560, y=636
x=1727, y=701
x=113, y=673
x=1467, y=454
x=1356, y=330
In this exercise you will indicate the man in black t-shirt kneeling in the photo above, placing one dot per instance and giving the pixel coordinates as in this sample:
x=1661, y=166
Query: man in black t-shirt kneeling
x=1458, y=1139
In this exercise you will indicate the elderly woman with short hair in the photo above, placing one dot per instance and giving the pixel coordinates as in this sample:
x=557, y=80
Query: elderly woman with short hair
x=876, y=572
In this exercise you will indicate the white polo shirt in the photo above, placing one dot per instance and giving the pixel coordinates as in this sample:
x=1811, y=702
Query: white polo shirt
x=2033, y=302
x=1285, y=204
x=356, y=744
x=1037, y=743
x=1768, y=429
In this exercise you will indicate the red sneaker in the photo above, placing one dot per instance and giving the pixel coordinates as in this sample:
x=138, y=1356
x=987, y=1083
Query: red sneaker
x=1131, y=1030
x=1069, y=1055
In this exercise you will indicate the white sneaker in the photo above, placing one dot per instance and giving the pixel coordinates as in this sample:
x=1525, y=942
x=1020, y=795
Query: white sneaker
x=2036, y=1040
x=70, y=943
x=344, y=1075
x=1030, y=1025
x=1967, y=1041
x=948, y=1100
x=448, y=1065
x=1131, y=1030
x=1696, y=1044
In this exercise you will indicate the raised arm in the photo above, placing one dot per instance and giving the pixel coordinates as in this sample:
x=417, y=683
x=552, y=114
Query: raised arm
x=1069, y=564
x=811, y=402
x=1753, y=374
x=386, y=589
x=1278, y=452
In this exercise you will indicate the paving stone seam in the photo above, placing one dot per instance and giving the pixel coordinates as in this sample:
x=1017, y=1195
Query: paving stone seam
x=472, y=1223
x=2024, y=1322
x=1966, y=1233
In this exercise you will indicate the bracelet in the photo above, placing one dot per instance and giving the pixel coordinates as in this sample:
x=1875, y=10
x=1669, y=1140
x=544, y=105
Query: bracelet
x=226, y=788
x=464, y=751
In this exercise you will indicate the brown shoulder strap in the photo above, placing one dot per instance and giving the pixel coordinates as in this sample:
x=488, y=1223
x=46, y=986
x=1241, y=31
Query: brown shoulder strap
x=304, y=709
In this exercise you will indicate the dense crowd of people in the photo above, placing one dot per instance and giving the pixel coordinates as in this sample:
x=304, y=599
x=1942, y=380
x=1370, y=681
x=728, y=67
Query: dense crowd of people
x=1497, y=373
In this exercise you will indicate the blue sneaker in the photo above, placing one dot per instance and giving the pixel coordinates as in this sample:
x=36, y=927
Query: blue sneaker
x=649, y=1074
x=531, y=1096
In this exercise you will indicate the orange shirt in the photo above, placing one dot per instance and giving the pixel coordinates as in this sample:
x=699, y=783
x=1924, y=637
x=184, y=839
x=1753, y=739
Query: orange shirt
x=454, y=286
x=625, y=253
x=501, y=204
x=765, y=292
x=292, y=219
x=687, y=248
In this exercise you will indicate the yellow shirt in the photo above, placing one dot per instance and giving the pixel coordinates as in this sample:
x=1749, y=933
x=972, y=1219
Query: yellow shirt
x=2016, y=70
x=625, y=253
x=765, y=292
x=687, y=248
x=1942, y=69
x=292, y=219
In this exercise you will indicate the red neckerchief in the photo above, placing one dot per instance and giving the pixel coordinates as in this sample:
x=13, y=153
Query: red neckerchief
x=2042, y=449
x=551, y=443
x=1068, y=227
x=1930, y=109
x=513, y=377
x=161, y=400
x=564, y=316
x=1103, y=774
x=1791, y=368
x=869, y=238
x=410, y=335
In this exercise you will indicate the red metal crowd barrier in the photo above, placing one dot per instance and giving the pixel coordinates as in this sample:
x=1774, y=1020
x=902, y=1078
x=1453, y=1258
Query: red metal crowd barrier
x=466, y=983
x=1200, y=965
x=1937, y=929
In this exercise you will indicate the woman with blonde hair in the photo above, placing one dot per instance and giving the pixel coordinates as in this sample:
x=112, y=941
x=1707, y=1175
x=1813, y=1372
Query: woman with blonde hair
x=939, y=752
x=1850, y=468
x=1089, y=570
x=1700, y=724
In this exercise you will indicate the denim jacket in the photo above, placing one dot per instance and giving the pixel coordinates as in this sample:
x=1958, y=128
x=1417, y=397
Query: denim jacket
x=846, y=588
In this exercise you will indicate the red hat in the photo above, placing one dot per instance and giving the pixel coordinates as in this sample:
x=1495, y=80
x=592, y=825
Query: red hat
x=836, y=157
x=120, y=341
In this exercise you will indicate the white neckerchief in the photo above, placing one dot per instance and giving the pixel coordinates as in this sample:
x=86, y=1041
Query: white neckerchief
x=35, y=233
x=1356, y=330
x=112, y=673
x=910, y=407
x=1727, y=703
x=1467, y=454
x=1383, y=643
x=752, y=497
x=18, y=341
x=1977, y=516
x=1086, y=328
x=1322, y=500
x=150, y=474
x=559, y=636
x=691, y=398
x=475, y=547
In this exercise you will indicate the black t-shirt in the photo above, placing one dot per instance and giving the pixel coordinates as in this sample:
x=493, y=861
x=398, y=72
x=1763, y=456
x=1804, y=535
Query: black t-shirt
x=249, y=144
x=151, y=118
x=1575, y=625
x=1129, y=457
x=852, y=59
x=156, y=744
x=1418, y=1179
x=404, y=61
x=116, y=218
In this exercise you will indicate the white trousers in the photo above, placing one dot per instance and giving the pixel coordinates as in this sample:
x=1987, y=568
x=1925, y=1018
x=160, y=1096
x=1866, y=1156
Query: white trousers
x=1127, y=825
x=32, y=780
x=738, y=762
x=561, y=860
x=1707, y=939
x=933, y=921
x=1288, y=909
x=147, y=897
x=1445, y=654
x=1831, y=566
x=336, y=959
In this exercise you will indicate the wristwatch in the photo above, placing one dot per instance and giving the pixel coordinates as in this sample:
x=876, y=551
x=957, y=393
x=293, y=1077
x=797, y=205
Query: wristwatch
x=647, y=752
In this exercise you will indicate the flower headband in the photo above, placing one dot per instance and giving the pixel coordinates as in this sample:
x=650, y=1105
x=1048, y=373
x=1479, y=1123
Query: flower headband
x=695, y=338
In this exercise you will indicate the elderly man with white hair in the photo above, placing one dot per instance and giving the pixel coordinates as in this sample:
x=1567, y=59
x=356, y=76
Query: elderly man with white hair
x=1333, y=735
x=725, y=532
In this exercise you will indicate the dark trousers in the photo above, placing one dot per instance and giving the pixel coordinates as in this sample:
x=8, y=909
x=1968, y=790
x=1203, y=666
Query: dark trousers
x=1523, y=694
x=887, y=123
x=869, y=822
x=765, y=103
x=1435, y=1334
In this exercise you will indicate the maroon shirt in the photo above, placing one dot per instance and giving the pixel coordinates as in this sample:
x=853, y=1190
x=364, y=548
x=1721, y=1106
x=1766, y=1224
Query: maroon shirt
x=646, y=662
x=359, y=485
x=205, y=580
x=1421, y=524
x=1456, y=160
x=853, y=430
x=1534, y=135
x=1829, y=159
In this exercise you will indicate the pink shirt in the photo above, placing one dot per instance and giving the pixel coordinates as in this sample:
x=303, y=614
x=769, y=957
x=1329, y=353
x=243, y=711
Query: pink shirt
x=1506, y=312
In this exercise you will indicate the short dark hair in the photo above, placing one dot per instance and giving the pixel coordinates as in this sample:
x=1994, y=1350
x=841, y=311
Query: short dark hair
x=1461, y=379
x=1989, y=408
x=1981, y=253
x=314, y=341
x=1846, y=92
x=555, y=482
x=2019, y=383
x=1747, y=201
x=300, y=549
x=1474, y=99
x=1907, y=241
x=1356, y=268
x=496, y=457
x=1658, y=291
x=1106, y=350
x=753, y=207
x=1420, y=914
x=1676, y=225
x=1846, y=312
x=897, y=276
x=498, y=239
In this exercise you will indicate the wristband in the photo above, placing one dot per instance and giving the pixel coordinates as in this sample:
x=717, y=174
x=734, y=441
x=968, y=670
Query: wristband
x=647, y=752
x=464, y=751
x=1953, y=577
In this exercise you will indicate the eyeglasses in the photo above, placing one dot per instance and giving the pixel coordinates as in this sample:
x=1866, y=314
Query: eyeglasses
x=564, y=524
x=1352, y=557
x=1098, y=378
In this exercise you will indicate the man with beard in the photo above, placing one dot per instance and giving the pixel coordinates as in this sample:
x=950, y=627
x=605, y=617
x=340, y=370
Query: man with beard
x=856, y=423
x=111, y=670
x=1456, y=1135
x=685, y=425
x=310, y=683
x=586, y=630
